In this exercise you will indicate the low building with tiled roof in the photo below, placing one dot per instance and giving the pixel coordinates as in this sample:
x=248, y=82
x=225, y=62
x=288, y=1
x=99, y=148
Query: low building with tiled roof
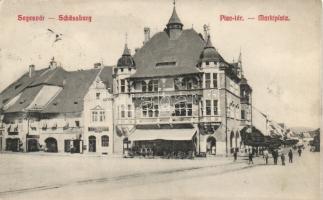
x=46, y=109
x=182, y=84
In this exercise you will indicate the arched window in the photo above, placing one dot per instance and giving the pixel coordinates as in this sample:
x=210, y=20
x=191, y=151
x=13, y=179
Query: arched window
x=144, y=86
x=105, y=141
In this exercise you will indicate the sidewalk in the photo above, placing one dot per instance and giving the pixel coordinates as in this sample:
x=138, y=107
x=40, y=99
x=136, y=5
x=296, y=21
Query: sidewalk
x=24, y=172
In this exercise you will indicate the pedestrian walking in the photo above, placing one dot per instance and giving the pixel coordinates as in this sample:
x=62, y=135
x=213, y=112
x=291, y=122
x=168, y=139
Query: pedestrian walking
x=290, y=156
x=275, y=156
x=235, y=155
x=299, y=152
x=250, y=158
x=282, y=156
x=266, y=156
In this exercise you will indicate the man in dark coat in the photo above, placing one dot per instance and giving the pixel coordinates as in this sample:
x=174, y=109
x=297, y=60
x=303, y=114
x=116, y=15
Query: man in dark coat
x=299, y=152
x=250, y=158
x=282, y=156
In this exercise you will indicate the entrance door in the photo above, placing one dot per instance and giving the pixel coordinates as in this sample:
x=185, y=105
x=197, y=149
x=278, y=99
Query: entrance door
x=12, y=144
x=51, y=145
x=211, y=145
x=32, y=145
x=77, y=146
x=92, y=143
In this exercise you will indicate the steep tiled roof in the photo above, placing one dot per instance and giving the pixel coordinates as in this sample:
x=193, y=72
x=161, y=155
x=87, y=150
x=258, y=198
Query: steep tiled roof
x=75, y=85
x=161, y=56
x=106, y=76
x=19, y=85
x=70, y=99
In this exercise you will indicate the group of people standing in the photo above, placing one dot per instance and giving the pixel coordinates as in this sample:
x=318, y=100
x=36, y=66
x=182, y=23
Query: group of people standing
x=275, y=155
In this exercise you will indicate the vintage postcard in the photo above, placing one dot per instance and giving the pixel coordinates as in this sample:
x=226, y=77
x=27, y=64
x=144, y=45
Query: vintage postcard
x=151, y=100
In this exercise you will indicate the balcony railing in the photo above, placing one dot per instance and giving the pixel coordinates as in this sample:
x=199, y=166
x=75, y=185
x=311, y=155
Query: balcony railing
x=169, y=120
x=167, y=93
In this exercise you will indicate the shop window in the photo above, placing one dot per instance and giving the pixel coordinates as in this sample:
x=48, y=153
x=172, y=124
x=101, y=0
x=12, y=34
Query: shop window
x=105, y=141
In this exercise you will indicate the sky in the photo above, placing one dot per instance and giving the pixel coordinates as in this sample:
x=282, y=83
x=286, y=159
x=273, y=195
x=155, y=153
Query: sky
x=281, y=60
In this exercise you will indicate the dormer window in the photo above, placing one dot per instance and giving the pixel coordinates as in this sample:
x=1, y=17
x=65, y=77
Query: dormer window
x=98, y=95
x=166, y=64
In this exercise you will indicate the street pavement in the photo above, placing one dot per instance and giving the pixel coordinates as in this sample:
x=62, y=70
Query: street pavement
x=25, y=176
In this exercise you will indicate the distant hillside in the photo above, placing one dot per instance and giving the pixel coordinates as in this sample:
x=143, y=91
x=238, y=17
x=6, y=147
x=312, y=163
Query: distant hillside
x=301, y=129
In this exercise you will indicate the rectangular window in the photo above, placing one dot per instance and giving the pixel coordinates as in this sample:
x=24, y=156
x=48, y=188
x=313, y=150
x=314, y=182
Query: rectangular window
x=156, y=110
x=207, y=80
x=77, y=124
x=183, y=109
x=189, y=109
x=102, y=116
x=144, y=109
x=202, y=108
x=215, y=107
x=123, y=85
x=123, y=112
x=94, y=116
x=129, y=111
x=155, y=85
x=97, y=95
x=243, y=114
x=104, y=141
x=144, y=86
x=208, y=107
x=215, y=80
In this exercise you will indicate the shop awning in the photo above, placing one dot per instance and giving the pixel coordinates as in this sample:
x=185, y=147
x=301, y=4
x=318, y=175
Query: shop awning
x=162, y=134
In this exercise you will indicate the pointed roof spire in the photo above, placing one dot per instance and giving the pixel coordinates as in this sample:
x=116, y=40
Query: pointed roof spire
x=240, y=56
x=174, y=19
x=126, y=51
x=208, y=43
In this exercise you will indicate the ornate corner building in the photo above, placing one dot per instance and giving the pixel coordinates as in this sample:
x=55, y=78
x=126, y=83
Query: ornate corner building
x=177, y=93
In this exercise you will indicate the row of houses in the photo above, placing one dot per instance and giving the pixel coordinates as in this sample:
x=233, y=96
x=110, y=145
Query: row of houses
x=176, y=93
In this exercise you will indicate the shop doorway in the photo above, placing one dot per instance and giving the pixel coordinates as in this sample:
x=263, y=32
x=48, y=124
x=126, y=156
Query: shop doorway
x=51, y=145
x=92, y=143
x=211, y=146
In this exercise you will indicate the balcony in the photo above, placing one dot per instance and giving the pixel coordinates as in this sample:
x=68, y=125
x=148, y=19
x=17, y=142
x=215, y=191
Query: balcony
x=167, y=93
x=169, y=120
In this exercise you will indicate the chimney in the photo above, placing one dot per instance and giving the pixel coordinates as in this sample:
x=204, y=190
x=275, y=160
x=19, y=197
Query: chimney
x=52, y=64
x=147, y=34
x=31, y=70
x=97, y=65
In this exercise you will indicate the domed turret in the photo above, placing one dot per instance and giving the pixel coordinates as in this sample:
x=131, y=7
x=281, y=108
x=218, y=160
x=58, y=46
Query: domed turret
x=209, y=53
x=126, y=59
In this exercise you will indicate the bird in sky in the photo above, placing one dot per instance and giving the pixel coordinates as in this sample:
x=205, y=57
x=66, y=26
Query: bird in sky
x=58, y=36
